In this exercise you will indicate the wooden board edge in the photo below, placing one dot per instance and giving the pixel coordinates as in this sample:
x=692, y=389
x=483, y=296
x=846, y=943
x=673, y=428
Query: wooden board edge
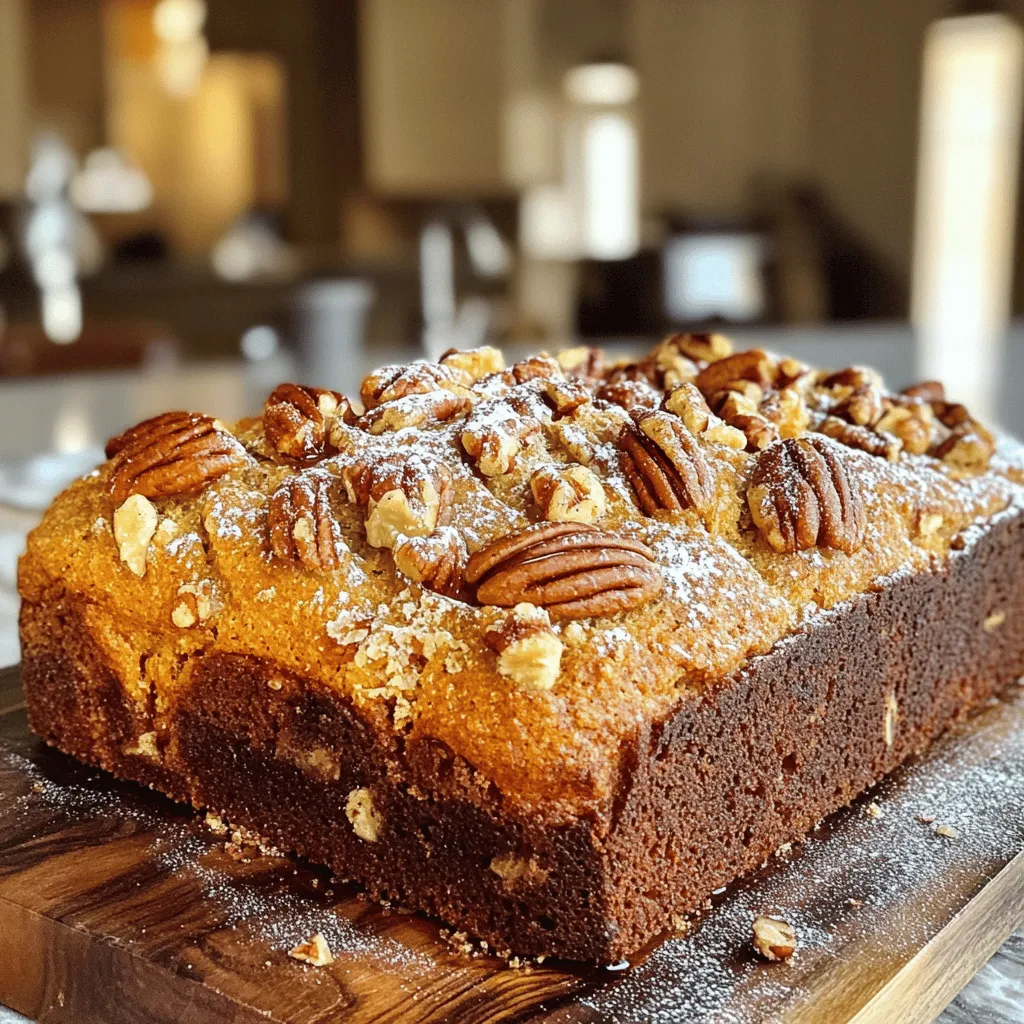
x=12, y=697
x=931, y=979
x=49, y=972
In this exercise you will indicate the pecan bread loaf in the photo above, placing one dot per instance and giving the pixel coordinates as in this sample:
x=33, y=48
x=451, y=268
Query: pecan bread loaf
x=549, y=651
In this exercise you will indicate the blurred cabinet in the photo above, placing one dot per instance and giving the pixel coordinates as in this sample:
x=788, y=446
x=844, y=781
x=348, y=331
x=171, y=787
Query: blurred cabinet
x=432, y=87
x=14, y=95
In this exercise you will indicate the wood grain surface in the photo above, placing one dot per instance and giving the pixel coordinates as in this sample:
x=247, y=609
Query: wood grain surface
x=118, y=906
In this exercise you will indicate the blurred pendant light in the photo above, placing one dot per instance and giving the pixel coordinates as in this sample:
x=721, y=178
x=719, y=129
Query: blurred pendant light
x=603, y=158
x=966, y=201
x=183, y=51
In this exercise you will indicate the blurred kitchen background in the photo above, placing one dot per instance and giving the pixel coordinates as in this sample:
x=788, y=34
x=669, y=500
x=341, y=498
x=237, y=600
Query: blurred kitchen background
x=200, y=199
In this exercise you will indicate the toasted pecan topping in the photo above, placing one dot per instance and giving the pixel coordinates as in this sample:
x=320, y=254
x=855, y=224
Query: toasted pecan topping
x=927, y=390
x=436, y=561
x=753, y=365
x=572, y=570
x=302, y=525
x=665, y=465
x=297, y=419
x=418, y=409
x=582, y=363
x=568, y=494
x=863, y=406
x=630, y=394
x=406, y=494
x=170, y=456
x=886, y=446
x=390, y=383
x=801, y=496
x=701, y=346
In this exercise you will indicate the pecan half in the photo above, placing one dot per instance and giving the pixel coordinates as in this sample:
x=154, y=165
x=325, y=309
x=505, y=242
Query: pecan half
x=415, y=410
x=297, y=419
x=170, y=456
x=393, y=382
x=886, y=446
x=664, y=464
x=436, y=561
x=572, y=570
x=406, y=494
x=302, y=524
x=752, y=365
x=801, y=496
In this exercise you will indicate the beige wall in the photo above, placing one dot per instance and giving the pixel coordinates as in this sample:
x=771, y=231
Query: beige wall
x=432, y=96
x=14, y=94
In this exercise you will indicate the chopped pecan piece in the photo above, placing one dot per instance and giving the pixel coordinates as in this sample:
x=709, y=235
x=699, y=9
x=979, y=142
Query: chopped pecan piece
x=701, y=346
x=393, y=382
x=302, y=524
x=495, y=431
x=909, y=419
x=927, y=390
x=297, y=419
x=787, y=409
x=415, y=410
x=528, y=651
x=853, y=377
x=665, y=465
x=744, y=414
x=886, y=446
x=406, y=494
x=671, y=366
x=475, y=363
x=752, y=365
x=688, y=404
x=572, y=570
x=802, y=496
x=564, y=396
x=437, y=561
x=630, y=394
x=643, y=371
x=170, y=456
x=774, y=939
x=863, y=405
x=968, y=448
x=572, y=494
x=582, y=363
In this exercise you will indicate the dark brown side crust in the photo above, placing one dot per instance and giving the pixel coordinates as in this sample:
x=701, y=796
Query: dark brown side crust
x=706, y=795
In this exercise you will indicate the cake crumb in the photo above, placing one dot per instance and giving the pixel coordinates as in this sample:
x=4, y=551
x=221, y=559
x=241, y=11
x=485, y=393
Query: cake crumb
x=873, y=810
x=215, y=823
x=925, y=819
x=313, y=951
x=946, y=831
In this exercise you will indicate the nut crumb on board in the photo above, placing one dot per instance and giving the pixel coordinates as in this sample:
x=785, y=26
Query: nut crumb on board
x=774, y=938
x=314, y=951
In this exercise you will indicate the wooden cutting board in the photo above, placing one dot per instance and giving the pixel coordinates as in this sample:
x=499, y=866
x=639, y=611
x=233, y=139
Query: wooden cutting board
x=118, y=906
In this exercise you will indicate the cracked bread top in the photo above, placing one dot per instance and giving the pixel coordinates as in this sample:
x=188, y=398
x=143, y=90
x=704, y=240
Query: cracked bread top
x=523, y=563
